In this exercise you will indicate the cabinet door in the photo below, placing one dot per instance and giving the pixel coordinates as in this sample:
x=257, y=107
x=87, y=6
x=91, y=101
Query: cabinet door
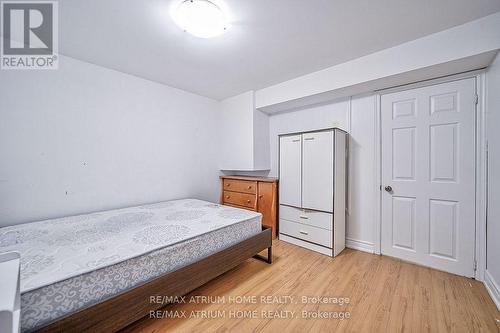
x=317, y=172
x=266, y=205
x=290, y=170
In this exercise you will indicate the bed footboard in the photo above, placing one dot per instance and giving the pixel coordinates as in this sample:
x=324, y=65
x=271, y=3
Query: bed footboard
x=130, y=306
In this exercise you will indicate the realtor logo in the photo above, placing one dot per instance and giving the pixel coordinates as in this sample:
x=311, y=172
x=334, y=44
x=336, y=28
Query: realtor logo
x=29, y=35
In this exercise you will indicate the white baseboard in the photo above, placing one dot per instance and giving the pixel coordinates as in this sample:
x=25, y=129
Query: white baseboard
x=360, y=245
x=493, y=288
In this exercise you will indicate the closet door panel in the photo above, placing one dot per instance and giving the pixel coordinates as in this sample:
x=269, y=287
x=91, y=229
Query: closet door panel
x=290, y=170
x=317, y=173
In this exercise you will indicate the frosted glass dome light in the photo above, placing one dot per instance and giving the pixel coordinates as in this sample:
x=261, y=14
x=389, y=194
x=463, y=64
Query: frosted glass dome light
x=201, y=18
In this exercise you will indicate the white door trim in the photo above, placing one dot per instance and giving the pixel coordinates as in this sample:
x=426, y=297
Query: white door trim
x=378, y=175
x=481, y=165
x=481, y=176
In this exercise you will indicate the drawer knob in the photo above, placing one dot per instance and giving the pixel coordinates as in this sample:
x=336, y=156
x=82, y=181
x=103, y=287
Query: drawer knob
x=228, y=184
x=304, y=232
x=249, y=187
x=248, y=201
x=261, y=196
x=227, y=196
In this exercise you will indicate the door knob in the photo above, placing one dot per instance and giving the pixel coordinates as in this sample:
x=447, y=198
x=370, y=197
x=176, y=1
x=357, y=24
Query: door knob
x=388, y=189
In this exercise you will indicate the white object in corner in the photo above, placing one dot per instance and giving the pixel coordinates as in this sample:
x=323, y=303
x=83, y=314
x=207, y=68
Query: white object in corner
x=243, y=135
x=10, y=300
x=312, y=190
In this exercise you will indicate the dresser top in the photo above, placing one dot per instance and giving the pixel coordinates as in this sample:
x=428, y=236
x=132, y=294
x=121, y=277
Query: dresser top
x=260, y=179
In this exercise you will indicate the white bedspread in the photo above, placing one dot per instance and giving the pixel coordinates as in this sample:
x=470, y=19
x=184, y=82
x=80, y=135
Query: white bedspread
x=58, y=249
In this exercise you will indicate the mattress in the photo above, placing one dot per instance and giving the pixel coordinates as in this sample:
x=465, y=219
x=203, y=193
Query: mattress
x=71, y=263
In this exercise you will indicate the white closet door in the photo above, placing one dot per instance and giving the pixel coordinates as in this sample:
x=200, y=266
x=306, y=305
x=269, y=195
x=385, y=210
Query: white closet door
x=317, y=172
x=428, y=173
x=290, y=170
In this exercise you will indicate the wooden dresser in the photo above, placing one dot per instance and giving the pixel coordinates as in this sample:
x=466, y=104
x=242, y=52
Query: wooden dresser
x=253, y=193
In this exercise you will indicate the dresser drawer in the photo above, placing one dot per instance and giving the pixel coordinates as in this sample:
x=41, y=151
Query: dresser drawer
x=309, y=217
x=239, y=199
x=244, y=186
x=306, y=232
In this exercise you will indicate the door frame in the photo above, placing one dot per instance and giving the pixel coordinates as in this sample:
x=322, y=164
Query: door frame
x=481, y=151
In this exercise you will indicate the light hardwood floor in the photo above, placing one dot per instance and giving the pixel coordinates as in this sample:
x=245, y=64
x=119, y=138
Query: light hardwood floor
x=385, y=295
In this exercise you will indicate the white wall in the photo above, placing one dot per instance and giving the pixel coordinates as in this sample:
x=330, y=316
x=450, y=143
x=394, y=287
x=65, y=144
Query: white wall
x=236, y=121
x=357, y=116
x=243, y=135
x=362, y=188
x=261, y=140
x=84, y=138
x=493, y=215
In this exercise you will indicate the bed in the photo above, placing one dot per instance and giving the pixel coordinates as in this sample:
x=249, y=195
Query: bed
x=97, y=271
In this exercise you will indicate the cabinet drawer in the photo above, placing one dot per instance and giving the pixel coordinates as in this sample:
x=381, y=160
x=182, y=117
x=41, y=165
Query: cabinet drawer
x=244, y=186
x=309, y=217
x=240, y=199
x=306, y=232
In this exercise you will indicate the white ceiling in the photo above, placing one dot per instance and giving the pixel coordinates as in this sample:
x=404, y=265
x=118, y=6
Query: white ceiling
x=269, y=41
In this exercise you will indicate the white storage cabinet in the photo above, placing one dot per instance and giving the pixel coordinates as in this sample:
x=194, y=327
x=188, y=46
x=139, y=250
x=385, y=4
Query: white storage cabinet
x=312, y=174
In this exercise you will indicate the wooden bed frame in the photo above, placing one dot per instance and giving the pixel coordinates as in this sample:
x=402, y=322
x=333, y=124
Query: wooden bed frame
x=132, y=305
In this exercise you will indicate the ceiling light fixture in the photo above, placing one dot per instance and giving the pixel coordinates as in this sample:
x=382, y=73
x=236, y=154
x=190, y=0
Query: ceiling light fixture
x=201, y=18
